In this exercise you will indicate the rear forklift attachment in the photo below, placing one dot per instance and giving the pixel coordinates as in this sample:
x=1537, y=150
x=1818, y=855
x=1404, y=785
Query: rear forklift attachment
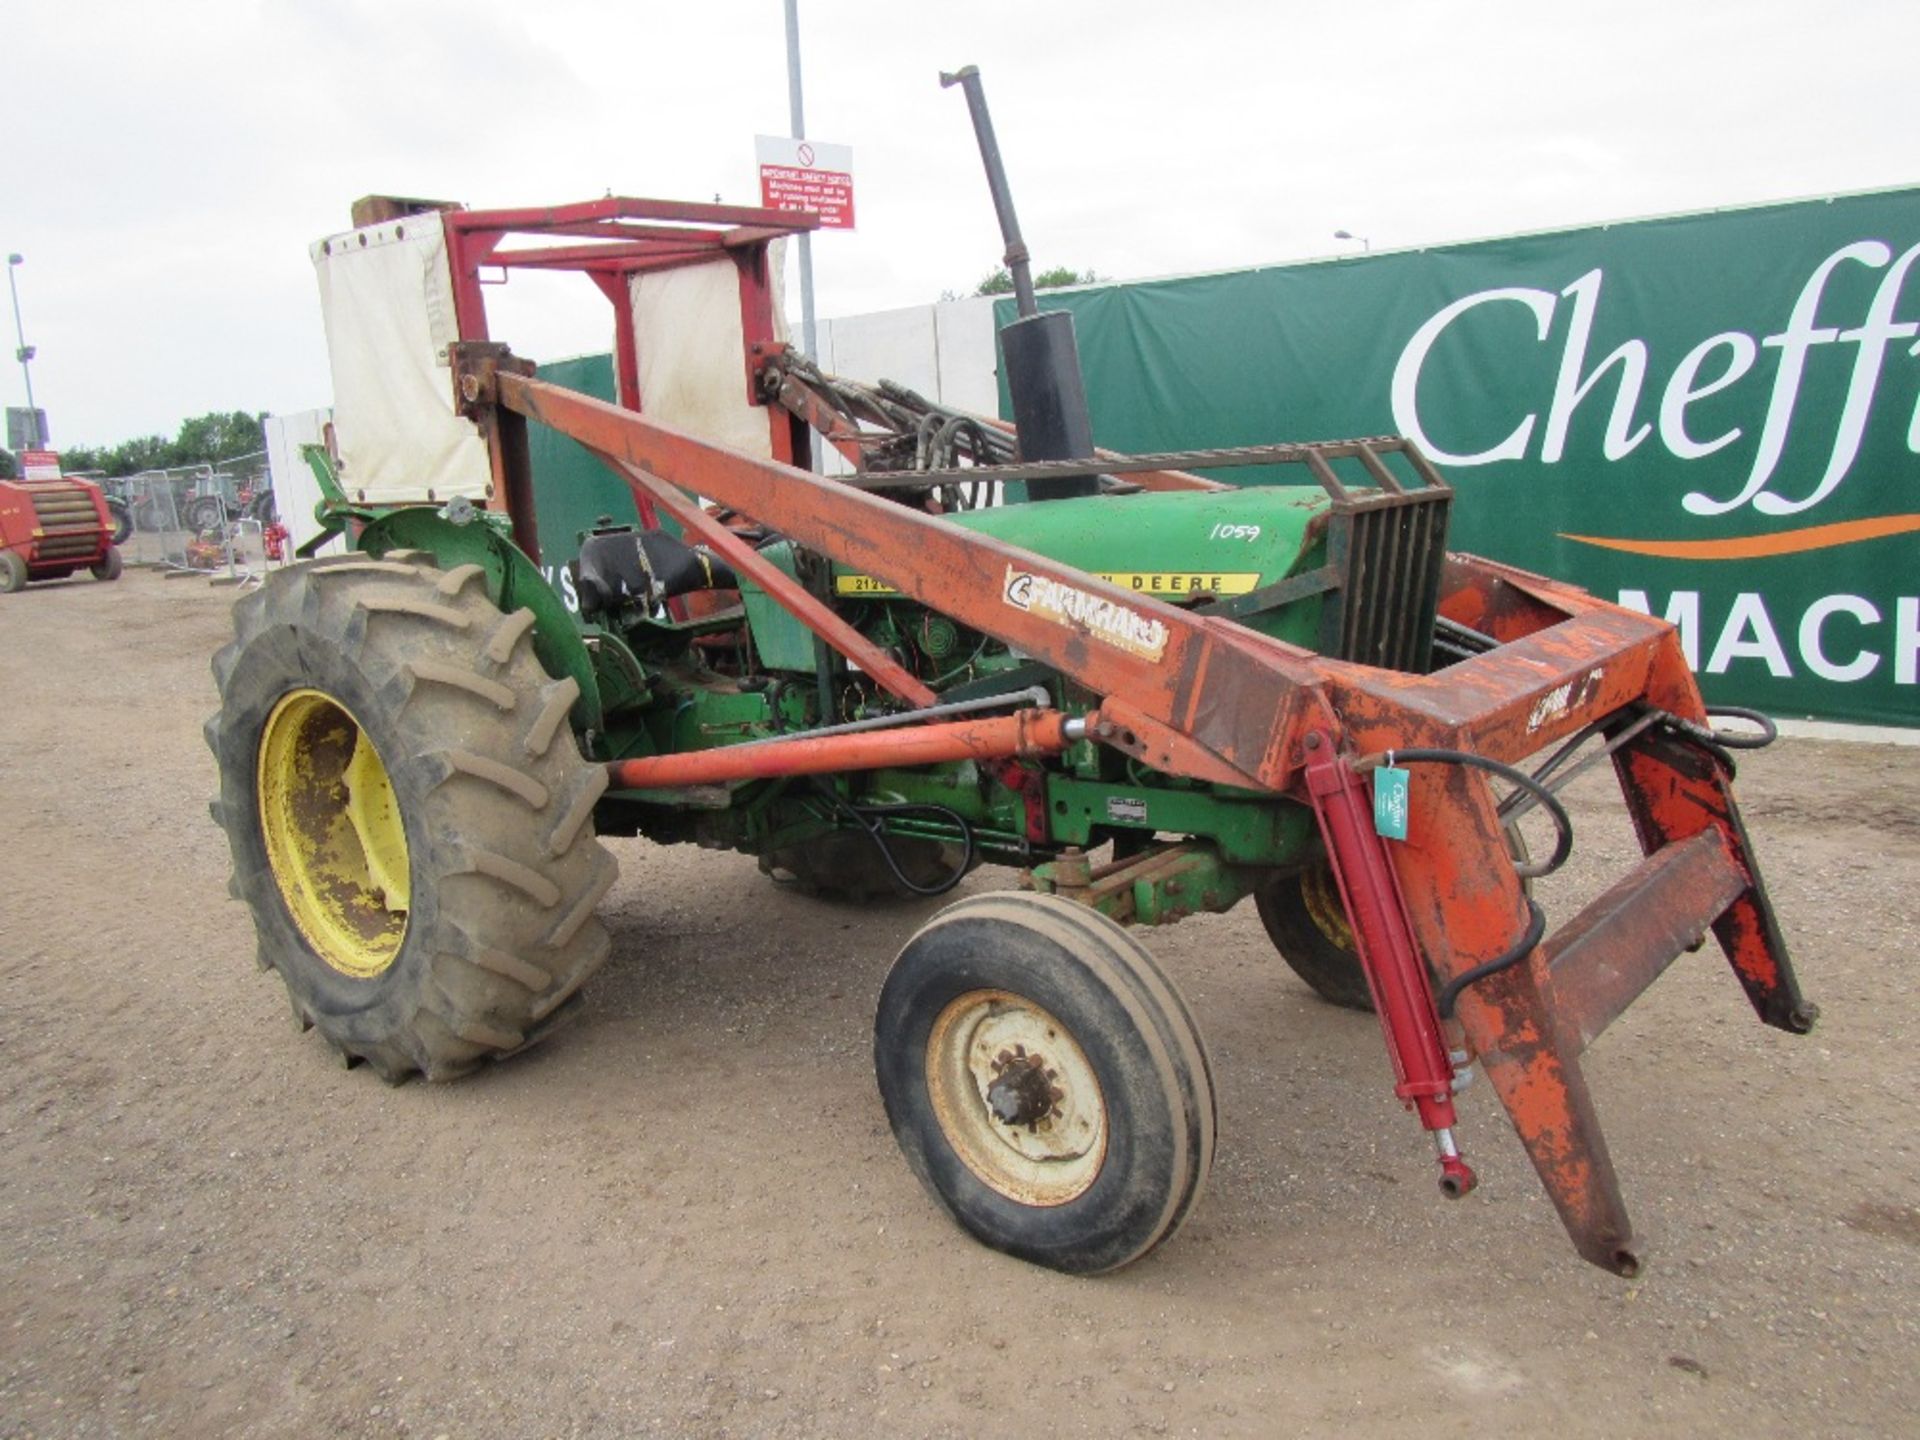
x=1194, y=693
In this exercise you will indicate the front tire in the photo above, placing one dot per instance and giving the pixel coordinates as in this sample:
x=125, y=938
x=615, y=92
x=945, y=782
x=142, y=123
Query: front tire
x=109, y=565
x=13, y=571
x=1045, y=1081
x=1307, y=923
x=409, y=816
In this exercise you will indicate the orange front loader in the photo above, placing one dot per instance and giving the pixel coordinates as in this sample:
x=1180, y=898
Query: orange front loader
x=1456, y=957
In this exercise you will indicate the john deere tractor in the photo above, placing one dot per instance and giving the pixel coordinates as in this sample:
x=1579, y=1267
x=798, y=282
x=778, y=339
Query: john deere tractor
x=1142, y=693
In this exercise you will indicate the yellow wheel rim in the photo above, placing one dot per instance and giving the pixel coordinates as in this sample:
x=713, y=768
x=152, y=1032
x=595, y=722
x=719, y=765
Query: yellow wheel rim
x=334, y=835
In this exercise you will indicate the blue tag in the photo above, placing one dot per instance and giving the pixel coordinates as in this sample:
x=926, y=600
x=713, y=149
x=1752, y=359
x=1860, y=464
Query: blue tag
x=1390, y=802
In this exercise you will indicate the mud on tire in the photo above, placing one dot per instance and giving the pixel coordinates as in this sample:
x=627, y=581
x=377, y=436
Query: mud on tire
x=492, y=794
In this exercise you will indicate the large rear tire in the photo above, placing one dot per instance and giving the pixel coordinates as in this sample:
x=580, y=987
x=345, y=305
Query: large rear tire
x=409, y=815
x=204, y=513
x=1045, y=1081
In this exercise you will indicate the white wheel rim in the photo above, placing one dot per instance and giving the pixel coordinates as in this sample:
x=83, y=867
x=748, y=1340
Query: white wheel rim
x=989, y=1037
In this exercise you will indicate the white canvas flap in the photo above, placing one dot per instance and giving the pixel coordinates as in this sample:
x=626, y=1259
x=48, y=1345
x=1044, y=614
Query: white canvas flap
x=386, y=294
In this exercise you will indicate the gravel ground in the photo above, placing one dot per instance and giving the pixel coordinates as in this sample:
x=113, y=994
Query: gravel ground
x=685, y=1216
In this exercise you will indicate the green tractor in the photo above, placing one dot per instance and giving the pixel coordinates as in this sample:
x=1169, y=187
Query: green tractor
x=1145, y=693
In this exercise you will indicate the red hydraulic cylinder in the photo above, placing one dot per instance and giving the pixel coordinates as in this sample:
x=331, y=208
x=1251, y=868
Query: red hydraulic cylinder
x=1026, y=733
x=1383, y=937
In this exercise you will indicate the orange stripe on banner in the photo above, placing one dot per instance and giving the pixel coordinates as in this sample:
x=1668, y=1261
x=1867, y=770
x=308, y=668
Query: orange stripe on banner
x=1754, y=547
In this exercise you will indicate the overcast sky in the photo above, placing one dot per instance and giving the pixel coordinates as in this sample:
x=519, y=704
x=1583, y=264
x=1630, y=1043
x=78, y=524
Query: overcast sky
x=167, y=165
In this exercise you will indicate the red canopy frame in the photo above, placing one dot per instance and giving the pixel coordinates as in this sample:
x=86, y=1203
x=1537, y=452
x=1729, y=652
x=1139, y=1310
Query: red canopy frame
x=610, y=241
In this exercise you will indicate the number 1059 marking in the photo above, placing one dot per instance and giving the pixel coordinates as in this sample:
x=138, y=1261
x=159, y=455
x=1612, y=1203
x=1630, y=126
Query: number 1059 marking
x=1235, y=532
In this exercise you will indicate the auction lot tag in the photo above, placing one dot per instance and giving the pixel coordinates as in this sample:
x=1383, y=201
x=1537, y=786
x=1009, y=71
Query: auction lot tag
x=1390, y=802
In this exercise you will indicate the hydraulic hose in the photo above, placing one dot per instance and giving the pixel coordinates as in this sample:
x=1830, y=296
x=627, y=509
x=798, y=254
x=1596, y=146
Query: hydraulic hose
x=1536, y=917
x=870, y=820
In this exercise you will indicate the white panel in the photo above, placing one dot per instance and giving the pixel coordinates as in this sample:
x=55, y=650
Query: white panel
x=889, y=345
x=692, y=354
x=944, y=351
x=295, y=491
x=969, y=379
x=386, y=295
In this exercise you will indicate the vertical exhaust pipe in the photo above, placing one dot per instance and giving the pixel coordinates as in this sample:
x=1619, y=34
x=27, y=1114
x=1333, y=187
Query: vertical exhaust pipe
x=1043, y=362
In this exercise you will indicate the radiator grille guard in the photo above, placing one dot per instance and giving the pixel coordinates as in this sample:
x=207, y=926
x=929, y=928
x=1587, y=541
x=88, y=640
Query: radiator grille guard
x=1394, y=548
x=1386, y=551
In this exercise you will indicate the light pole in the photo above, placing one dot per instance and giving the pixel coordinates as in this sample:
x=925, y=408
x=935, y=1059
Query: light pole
x=798, y=115
x=23, y=355
x=1366, y=245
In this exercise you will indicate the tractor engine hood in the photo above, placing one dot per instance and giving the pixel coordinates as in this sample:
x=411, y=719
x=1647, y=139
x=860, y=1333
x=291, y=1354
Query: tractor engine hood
x=1174, y=546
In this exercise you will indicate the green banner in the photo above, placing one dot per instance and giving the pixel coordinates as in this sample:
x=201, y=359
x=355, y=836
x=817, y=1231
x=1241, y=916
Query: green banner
x=1713, y=417
x=572, y=489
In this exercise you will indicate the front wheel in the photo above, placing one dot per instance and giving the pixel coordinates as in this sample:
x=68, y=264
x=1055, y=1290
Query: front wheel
x=108, y=566
x=13, y=571
x=1045, y=1081
x=1307, y=923
x=409, y=815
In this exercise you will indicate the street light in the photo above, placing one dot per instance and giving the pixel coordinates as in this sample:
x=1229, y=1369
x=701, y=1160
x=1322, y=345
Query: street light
x=1365, y=244
x=23, y=354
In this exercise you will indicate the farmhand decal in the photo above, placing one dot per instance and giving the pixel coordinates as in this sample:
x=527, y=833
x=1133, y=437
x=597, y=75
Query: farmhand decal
x=1713, y=417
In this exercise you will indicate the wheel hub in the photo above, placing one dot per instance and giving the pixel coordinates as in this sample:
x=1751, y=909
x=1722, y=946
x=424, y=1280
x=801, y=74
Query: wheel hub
x=1023, y=1092
x=1016, y=1097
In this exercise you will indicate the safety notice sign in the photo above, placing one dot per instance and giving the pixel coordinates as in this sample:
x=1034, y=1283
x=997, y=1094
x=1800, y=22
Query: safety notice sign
x=807, y=175
x=39, y=465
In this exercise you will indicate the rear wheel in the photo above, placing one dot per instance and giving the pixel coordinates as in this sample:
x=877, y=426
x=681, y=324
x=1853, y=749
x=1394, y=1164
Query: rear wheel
x=1045, y=1081
x=108, y=567
x=409, y=816
x=122, y=517
x=205, y=513
x=13, y=571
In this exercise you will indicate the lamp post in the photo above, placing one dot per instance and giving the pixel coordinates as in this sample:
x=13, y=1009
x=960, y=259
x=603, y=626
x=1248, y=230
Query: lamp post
x=23, y=355
x=1366, y=245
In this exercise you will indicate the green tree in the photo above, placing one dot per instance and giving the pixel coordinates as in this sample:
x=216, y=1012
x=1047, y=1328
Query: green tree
x=1000, y=282
x=203, y=440
x=216, y=436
